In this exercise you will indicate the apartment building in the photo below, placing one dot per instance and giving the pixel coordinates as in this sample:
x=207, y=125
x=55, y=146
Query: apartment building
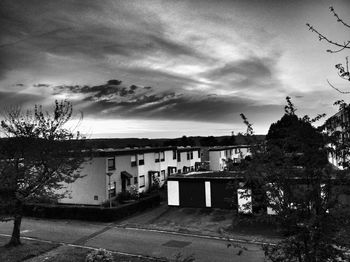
x=219, y=156
x=111, y=171
x=187, y=157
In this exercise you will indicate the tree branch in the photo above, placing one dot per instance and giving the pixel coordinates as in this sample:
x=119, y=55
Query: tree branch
x=323, y=37
x=338, y=18
x=342, y=92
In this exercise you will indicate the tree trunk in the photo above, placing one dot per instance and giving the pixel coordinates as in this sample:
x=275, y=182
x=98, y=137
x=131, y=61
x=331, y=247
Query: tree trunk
x=15, y=238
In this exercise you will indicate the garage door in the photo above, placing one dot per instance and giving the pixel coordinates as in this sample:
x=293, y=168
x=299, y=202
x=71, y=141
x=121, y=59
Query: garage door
x=192, y=193
x=222, y=195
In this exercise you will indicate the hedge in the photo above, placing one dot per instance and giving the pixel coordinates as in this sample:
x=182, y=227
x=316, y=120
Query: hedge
x=90, y=213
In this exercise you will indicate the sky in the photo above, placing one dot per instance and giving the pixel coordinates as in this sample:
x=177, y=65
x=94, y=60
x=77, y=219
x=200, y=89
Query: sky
x=162, y=69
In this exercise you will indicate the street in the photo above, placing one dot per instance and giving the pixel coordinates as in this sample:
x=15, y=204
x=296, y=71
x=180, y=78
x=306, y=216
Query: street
x=134, y=241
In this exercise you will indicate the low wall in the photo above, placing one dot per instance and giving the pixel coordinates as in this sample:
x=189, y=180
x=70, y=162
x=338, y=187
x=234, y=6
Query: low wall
x=90, y=213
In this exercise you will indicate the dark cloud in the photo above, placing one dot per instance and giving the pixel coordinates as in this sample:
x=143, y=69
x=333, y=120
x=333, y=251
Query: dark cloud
x=114, y=82
x=109, y=91
x=41, y=85
x=110, y=101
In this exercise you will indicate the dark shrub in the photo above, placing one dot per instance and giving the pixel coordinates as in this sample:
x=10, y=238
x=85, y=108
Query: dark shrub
x=91, y=213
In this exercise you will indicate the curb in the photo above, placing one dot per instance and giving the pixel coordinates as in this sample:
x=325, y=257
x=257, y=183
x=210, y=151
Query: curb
x=237, y=240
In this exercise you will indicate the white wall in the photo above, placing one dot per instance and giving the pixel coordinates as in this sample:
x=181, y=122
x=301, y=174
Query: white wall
x=83, y=190
x=207, y=194
x=122, y=163
x=173, y=193
x=215, y=161
x=188, y=162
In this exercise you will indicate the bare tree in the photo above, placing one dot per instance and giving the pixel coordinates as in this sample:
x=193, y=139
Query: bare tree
x=336, y=47
x=38, y=154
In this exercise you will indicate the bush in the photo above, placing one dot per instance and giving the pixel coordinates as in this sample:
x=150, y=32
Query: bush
x=100, y=255
x=123, y=196
x=134, y=192
x=90, y=213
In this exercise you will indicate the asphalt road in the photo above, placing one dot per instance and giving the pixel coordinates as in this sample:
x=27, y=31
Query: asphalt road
x=134, y=241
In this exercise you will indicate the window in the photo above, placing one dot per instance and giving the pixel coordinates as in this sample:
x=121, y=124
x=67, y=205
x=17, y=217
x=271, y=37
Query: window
x=191, y=154
x=135, y=180
x=174, y=154
x=162, y=156
x=178, y=156
x=142, y=181
x=128, y=181
x=188, y=155
x=162, y=175
x=199, y=154
x=133, y=161
x=111, y=164
x=95, y=197
x=156, y=157
x=141, y=159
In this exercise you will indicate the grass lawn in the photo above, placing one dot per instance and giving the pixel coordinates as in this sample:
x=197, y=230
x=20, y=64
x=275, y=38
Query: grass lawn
x=77, y=254
x=30, y=249
x=27, y=250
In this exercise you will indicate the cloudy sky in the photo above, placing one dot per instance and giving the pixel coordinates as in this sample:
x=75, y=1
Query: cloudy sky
x=171, y=68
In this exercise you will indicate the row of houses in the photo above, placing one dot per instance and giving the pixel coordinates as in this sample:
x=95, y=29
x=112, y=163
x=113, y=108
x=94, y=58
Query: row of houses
x=111, y=171
x=220, y=157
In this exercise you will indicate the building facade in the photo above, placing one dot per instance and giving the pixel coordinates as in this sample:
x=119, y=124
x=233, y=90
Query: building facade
x=187, y=157
x=110, y=172
x=219, y=156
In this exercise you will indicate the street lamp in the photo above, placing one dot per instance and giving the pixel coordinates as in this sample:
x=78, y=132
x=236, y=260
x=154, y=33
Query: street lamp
x=109, y=188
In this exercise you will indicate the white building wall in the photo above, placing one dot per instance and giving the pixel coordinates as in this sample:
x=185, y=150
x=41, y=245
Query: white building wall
x=122, y=163
x=215, y=160
x=90, y=189
x=188, y=163
x=93, y=188
x=151, y=165
x=217, y=157
x=169, y=162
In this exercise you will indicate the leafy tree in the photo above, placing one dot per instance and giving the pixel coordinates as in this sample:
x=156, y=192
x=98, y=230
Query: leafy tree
x=228, y=141
x=183, y=141
x=290, y=175
x=208, y=141
x=38, y=155
x=343, y=70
